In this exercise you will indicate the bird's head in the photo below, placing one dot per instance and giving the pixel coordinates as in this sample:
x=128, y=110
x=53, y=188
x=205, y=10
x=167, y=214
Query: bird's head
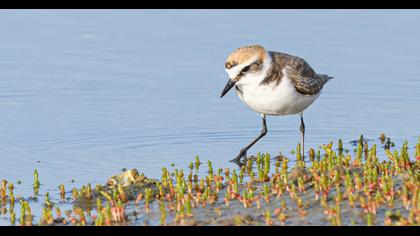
x=244, y=62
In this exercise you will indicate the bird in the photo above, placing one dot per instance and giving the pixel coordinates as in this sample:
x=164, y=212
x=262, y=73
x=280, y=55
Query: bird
x=273, y=84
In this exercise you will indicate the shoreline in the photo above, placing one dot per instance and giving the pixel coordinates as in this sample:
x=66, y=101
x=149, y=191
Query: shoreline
x=333, y=187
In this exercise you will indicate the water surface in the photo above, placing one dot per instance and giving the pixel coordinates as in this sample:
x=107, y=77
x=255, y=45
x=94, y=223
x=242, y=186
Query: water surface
x=84, y=93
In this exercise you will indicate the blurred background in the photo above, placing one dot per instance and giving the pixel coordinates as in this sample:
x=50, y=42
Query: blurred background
x=85, y=93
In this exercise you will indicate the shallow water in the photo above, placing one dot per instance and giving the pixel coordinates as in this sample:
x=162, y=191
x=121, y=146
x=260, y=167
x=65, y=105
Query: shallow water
x=84, y=93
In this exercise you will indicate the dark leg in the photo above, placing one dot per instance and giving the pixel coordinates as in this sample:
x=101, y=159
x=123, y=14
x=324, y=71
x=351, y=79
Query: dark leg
x=302, y=131
x=242, y=153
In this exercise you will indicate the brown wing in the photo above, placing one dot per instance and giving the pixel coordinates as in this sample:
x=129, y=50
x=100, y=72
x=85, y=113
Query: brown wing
x=303, y=77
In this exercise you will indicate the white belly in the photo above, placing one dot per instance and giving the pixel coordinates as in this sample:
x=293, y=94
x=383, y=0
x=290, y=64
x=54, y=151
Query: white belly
x=270, y=99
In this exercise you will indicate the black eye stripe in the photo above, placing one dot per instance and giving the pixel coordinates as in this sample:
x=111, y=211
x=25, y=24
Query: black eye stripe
x=255, y=64
x=246, y=68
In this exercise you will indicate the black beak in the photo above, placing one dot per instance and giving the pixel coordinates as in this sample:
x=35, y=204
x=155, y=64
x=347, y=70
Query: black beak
x=228, y=86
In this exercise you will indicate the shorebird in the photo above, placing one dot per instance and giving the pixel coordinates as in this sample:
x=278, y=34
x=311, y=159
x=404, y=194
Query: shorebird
x=272, y=84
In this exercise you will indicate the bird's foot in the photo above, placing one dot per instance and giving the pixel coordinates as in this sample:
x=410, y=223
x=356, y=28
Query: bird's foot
x=242, y=154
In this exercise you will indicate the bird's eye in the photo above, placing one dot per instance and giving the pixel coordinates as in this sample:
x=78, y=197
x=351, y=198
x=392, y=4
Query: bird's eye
x=245, y=69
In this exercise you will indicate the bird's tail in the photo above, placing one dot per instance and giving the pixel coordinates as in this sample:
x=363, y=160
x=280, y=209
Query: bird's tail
x=325, y=78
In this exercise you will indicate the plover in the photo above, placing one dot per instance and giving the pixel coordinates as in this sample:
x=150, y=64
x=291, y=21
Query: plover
x=272, y=83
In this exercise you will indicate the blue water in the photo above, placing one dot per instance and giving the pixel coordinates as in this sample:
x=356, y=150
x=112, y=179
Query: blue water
x=84, y=93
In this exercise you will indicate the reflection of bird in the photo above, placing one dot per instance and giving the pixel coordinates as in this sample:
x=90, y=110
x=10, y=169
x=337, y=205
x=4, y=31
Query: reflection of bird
x=272, y=83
